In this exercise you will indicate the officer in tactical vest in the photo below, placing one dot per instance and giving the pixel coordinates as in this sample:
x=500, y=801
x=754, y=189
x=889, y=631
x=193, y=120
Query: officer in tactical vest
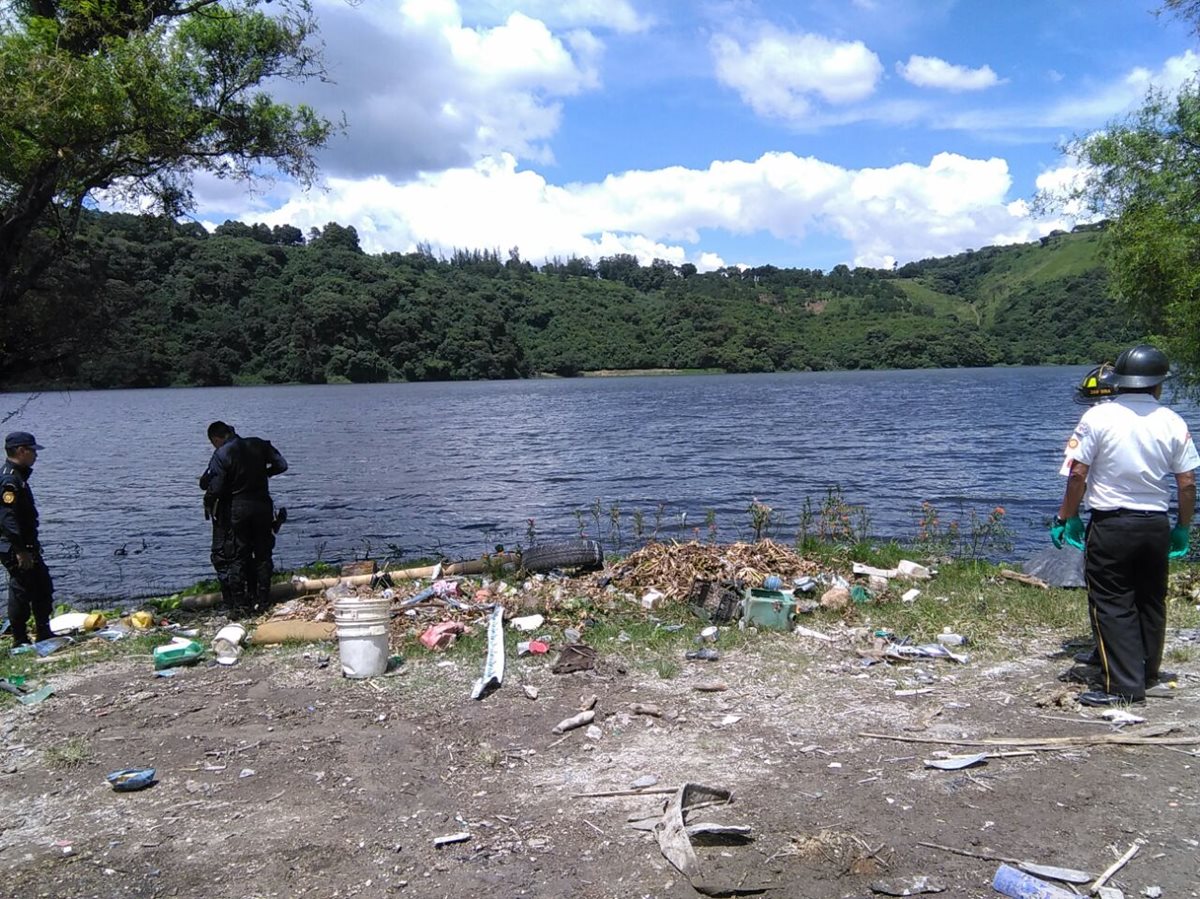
x=29, y=586
x=244, y=519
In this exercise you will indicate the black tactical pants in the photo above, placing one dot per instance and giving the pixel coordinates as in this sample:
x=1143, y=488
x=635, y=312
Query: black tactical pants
x=29, y=590
x=253, y=542
x=223, y=556
x=1126, y=566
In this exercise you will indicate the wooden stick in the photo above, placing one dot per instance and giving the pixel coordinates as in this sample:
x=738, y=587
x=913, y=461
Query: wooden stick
x=1049, y=744
x=657, y=791
x=1115, y=866
x=987, y=858
x=1024, y=578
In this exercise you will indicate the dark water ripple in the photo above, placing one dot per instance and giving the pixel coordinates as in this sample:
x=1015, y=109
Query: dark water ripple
x=458, y=468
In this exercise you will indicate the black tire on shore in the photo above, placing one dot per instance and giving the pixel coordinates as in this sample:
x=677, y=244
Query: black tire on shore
x=585, y=554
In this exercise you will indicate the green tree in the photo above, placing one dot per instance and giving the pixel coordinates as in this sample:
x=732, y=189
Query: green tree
x=1142, y=173
x=134, y=97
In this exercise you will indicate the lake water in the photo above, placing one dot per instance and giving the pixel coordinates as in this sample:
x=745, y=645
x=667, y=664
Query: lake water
x=419, y=469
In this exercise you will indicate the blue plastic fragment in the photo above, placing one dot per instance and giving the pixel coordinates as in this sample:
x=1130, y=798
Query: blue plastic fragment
x=130, y=779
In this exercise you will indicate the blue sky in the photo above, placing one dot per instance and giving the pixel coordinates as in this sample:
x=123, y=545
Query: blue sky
x=802, y=134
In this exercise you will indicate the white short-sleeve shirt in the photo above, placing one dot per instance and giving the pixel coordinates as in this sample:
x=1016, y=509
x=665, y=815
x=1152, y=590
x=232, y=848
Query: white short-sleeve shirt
x=1132, y=446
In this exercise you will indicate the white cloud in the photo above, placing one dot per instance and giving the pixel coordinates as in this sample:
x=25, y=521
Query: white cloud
x=779, y=73
x=929, y=71
x=1088, y=108
x=616, y=15
x=422, y=91
x=902, y=212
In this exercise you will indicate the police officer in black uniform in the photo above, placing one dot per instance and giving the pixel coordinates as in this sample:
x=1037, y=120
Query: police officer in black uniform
x=236, y=479
x=29, y=584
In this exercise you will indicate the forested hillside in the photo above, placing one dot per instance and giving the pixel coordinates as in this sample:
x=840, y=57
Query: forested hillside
x=144, y=302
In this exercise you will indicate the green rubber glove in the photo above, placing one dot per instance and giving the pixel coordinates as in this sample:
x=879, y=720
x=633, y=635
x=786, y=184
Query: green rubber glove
x=1074, y=532
x=1070, y=531
x=1180, y=541
x=1056, y=533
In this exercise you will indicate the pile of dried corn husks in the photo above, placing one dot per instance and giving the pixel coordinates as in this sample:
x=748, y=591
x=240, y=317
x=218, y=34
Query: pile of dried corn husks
x=673, y=567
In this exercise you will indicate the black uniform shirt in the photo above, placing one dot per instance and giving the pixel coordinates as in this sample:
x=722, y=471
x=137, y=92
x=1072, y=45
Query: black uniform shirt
x=18, y=513
x=241, y=467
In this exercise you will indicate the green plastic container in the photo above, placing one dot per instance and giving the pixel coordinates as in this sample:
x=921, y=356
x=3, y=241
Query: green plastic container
x=771, y=609
x=179, y=651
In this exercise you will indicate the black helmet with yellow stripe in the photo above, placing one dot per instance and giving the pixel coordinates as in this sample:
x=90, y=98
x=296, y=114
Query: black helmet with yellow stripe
x=1096, y=386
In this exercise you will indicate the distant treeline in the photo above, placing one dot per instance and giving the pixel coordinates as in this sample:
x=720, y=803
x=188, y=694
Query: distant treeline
x=146, y=302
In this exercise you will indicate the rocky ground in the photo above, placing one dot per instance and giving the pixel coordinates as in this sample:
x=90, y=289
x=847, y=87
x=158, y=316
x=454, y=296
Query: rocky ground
x=277, y=777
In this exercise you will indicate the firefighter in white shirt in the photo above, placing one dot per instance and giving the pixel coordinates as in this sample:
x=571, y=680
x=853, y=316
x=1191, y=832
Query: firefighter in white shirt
x=1123, y=455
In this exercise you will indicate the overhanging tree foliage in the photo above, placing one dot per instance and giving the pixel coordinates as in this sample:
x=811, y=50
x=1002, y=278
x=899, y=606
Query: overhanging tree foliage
x=134, y=97
x=1144, y=173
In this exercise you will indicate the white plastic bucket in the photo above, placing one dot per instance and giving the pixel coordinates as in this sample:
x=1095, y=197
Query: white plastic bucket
x=362, y=628
x=227, y=644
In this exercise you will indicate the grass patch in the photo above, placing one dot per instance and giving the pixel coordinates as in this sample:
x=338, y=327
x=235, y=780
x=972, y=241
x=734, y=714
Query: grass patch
x=73, y=753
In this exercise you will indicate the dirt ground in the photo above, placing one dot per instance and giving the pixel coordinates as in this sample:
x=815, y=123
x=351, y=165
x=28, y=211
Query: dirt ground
x=278, y=777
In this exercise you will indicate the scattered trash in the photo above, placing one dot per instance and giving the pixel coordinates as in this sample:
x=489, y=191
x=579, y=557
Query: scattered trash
x=594, y=733
x=675, y=842
x=1120, y=716
x=180, y=651
x=715, y=601
x=1051, y=872
x=957, y=762
x=447, y=840
x=167, y=672
x=1152, y=892
x=528, y=622
x=703, y=655
x=911, y=569
x=708, y=635
x=1017, y=884
x=50, y=645
x=15, y=684
x=293, y=632
x=645, y=708
x=712, y=686
x=493, y=664
x=859, y=594
x=768, y=608
x=130, y=779
x=646, y=780
x=227, y=644
x=923, y=651
x=574, y=657
x=247, y=772
x=532, y=647
x=911, y=887
x=948, y=638
x=442, y=634
x=804, y=584
x=772, y=582
x=588, y=702
x=575, y=721
x=141, y=620
x=651, y=598
x=835, y=598
x=910, y=595
x=801, y=631
x=530, y=692
x=76, y=622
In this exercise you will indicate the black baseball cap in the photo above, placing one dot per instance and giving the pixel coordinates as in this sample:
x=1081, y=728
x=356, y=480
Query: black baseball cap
x=21, y=438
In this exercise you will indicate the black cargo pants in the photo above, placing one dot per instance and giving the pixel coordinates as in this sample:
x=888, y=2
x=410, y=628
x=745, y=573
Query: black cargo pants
x=30, y=590
x=1126, y=568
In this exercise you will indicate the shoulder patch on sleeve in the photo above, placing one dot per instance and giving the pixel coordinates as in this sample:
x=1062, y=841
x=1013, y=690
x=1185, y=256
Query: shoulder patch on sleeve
x=8, y=497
